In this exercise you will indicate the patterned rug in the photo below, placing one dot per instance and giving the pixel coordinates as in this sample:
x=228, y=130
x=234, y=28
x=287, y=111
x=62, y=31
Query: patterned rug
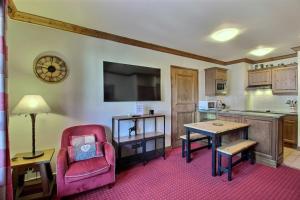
x=174, y=179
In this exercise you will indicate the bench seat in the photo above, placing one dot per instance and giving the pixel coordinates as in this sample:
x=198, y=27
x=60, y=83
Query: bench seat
x=246, y=147
x=236, y=147
x=194, y=136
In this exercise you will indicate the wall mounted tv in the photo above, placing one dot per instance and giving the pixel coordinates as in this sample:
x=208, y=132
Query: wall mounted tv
x=123, y=82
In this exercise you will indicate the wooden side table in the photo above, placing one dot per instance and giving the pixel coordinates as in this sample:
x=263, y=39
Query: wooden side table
x=43, y=186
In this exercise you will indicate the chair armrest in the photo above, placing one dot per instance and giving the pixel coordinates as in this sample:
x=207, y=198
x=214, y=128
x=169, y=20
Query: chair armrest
x=109, y=152
x=61, y=163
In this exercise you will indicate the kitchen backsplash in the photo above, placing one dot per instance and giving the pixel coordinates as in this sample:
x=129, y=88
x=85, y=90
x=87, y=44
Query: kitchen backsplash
x=265, y=100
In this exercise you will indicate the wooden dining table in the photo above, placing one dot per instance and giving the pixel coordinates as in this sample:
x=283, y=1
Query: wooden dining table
x=214, y=129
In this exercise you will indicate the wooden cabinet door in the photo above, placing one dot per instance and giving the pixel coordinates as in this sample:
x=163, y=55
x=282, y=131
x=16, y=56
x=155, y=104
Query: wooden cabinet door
x=229, y=118
x=290, y=131
x=210, y=82
x=221, y=74
x=259, y=77
x=261, y=130
x=211, y=75
x=184, y=90
x=284, y=80
x=234, y=136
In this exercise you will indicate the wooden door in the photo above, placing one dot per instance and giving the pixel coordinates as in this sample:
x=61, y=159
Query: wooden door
x=284, y=80
x=184, y=90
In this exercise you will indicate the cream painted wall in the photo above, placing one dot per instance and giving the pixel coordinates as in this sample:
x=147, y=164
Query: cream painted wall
x=78, y=99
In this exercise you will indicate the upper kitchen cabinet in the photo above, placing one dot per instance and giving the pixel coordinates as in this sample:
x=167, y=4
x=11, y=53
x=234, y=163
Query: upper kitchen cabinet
x=261, y=77
x=215, y=81
x=284, y=80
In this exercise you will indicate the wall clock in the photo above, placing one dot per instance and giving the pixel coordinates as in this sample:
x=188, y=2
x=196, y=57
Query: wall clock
x=51, y=69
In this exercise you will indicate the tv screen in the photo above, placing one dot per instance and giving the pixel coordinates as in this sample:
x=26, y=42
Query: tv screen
x=124, y=82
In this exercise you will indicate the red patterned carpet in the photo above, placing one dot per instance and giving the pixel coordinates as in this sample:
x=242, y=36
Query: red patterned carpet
x=174, y=179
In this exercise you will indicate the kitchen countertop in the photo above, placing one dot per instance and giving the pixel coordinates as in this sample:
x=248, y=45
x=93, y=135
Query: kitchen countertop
x=274, y=114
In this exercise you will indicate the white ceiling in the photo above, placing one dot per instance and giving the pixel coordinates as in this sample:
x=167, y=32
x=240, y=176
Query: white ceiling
x=185, y=24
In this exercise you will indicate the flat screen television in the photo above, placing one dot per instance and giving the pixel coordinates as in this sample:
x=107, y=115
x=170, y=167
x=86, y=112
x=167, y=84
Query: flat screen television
x=123, y=82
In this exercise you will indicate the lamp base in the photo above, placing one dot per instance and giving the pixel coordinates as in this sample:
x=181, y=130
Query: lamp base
x=31, y=155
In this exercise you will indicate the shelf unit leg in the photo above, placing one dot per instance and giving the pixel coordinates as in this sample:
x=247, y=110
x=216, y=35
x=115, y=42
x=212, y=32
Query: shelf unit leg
x=144, y=142
x=164, y=140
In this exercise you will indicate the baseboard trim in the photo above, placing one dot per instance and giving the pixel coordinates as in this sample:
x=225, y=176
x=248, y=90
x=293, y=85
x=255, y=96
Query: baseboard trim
x=267, y=160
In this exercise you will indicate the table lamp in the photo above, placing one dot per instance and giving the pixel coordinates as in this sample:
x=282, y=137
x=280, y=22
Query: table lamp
x=32, y=105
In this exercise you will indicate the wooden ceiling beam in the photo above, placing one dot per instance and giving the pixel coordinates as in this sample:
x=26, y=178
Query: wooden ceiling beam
x=276, y=58
x=12, y=9
x=245, y=60
x=60, y=25
x=296, y=48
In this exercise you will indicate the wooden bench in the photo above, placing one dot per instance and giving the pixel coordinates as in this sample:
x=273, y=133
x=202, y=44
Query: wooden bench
x=193, y=138
x=246, y=147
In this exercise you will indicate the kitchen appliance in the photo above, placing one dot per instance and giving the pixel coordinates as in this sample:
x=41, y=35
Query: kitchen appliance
x=221, y=87
x=207, y=105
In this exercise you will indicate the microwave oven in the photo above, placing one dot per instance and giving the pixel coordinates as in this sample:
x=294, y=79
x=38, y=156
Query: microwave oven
x=207, y=105
x=221, y=87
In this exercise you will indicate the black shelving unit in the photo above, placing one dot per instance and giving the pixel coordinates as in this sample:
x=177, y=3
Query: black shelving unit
x=137, y=140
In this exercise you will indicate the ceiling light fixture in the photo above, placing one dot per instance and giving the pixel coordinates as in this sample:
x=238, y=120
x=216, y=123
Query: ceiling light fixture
x=225, y=34
x=261, y=51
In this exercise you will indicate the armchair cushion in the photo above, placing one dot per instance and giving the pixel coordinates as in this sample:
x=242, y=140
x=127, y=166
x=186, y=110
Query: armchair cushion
x=86, y=168
x=85, y=151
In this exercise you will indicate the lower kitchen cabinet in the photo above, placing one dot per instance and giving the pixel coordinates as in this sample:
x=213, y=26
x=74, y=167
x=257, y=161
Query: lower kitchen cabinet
x=290, y=131
x=266, y=131
x=226, y=139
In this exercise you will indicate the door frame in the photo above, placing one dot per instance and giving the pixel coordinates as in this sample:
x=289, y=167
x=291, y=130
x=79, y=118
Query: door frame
x=197, y=81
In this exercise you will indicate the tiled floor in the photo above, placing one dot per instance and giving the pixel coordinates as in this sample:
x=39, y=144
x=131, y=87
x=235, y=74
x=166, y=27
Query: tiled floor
x=291, y=158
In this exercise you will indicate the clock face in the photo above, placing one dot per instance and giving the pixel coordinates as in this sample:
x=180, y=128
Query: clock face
x=50, y=69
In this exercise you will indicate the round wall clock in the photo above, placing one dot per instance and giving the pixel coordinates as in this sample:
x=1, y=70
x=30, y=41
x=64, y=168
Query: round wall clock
x=51, y=69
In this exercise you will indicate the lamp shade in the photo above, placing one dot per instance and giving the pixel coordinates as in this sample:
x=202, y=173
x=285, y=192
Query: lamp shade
x=31, y=104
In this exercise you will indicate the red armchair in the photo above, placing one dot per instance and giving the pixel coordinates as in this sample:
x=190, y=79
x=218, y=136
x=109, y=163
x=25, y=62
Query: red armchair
x=72, y=178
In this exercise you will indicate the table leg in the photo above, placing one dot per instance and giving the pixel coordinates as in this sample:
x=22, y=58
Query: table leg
x=44, y=178
x=245, y=135
x=245, y=155
x=213, y=155
x=15, y=178
x=219, y=141
x=49, y=171
x=188, y=146
x=18, y=176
